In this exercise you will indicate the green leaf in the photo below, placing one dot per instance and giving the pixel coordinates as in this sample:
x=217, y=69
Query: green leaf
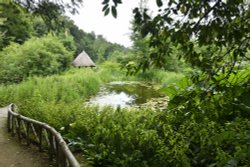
x=105, y=2
x=117, y=1
x=159, y=3
x=105, y=7
x=183, y=10
x=114, y=12
x=106, y=12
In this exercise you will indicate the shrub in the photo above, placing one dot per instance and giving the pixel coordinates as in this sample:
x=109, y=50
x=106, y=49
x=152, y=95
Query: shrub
x=37, y=56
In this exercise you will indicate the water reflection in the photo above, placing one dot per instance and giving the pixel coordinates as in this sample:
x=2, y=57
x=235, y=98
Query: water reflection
x=125, y=94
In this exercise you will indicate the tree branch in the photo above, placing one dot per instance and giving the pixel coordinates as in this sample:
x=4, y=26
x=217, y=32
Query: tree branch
x=212, y=8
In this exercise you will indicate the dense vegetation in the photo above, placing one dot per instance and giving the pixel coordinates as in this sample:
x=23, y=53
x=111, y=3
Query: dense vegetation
x=207, y=119
x=37, y=56
x=17, y=25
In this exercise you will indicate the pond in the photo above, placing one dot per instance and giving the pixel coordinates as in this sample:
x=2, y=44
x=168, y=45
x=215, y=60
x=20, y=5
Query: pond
x=126, y=94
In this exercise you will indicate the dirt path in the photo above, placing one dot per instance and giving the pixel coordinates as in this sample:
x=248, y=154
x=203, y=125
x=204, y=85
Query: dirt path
x=14, y=154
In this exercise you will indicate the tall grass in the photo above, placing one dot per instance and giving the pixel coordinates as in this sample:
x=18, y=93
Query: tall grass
x=123, y=137
x=75, y=85
x=160, y=77
x=107, y=137
x=44, y=98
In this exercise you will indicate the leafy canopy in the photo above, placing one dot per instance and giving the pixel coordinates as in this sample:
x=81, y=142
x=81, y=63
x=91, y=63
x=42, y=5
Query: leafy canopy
x=213, y=25
x=15, y=24
x=56, y=9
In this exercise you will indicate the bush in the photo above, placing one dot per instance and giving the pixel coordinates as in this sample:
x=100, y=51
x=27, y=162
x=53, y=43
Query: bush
x=36, y=57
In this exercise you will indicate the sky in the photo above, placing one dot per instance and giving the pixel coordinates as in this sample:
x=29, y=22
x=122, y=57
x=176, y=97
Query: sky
x=92, y=19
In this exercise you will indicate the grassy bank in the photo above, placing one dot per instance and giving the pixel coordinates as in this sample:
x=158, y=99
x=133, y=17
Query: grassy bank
x=37, y=95
x=160, y=77
x=75, y=85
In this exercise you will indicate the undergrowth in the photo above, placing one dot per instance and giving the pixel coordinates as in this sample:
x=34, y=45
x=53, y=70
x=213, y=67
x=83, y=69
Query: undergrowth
x=131, y=137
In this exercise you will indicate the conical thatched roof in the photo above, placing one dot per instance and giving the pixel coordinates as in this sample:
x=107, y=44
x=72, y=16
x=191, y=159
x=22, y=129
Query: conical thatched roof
x=83, y=60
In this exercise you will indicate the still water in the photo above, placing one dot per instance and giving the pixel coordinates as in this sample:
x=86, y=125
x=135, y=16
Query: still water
x=125, y=94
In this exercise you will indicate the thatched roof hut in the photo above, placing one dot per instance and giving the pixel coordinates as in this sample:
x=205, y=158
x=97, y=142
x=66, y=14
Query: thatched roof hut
x=83, y=60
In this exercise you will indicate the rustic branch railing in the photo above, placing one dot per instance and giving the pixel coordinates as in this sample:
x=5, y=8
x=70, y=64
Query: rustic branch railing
x=44, y=135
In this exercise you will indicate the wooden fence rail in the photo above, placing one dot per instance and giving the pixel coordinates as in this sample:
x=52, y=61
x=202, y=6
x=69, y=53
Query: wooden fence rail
x=45, y=136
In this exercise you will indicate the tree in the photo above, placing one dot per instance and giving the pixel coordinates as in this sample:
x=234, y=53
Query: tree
x=39, y=26
x=1, y=32
x=56, y=9
x=36, y=6
x=36, y=57
x=16, y=25
x=214, y=37
x=187, y=23
x=105, y=49
x=144, y=55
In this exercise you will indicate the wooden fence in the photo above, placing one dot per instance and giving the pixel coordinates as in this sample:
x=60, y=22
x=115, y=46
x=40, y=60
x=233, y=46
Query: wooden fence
x=45, y=136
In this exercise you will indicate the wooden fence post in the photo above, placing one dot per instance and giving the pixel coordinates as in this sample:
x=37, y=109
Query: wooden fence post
x=57, y=154
x=8, y=121
x=28, y=134
x=51, y=146
x=13, y=125
x=18, y=127
x=56, y=145
x=40, y=136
